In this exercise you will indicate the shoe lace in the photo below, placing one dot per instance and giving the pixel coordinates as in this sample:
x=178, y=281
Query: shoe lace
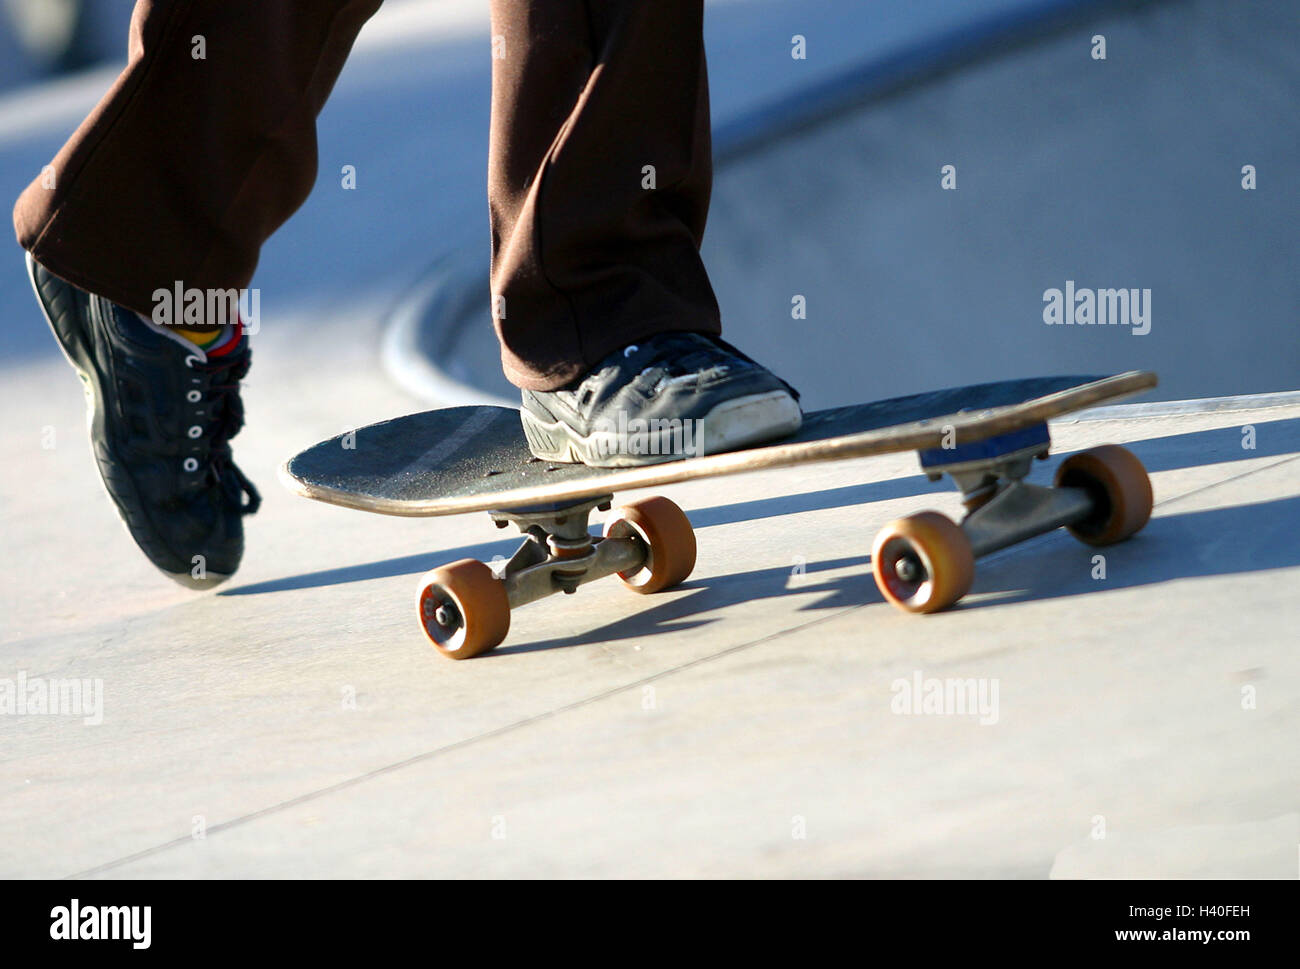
x=677, y=354
x=227, y=410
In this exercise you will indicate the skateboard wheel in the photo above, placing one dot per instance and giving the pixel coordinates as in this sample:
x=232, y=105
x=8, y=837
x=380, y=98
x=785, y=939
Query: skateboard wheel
x=669, y=541
x=463, y=609
x=1120, y=490
x=923, y=563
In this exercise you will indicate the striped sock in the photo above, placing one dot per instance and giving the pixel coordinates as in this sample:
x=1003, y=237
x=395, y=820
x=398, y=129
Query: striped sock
x=216, y=342
x=203, y=339
x=228, y=341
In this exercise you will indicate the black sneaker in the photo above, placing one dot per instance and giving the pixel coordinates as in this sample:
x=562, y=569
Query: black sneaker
x=671, y=396
x=161, y=415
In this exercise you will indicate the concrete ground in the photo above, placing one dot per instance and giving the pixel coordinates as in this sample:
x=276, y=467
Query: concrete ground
x=741, y=725
x=295, y=723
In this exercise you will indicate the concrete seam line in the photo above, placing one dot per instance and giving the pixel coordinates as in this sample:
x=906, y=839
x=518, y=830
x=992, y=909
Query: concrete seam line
x=1165, y=502
x=456, y=745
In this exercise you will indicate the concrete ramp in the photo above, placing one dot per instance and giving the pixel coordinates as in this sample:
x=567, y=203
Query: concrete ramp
x=840, y=257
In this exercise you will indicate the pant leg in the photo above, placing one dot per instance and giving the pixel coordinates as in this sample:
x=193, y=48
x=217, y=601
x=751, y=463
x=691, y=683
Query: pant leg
x=584, y=258
x=188, y=164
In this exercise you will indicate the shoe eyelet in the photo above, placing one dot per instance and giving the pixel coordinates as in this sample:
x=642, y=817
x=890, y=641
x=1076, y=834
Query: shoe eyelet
x=190, y=464
x=195, y=431
x=191, y=360
x=630, y=349
x=193, y=396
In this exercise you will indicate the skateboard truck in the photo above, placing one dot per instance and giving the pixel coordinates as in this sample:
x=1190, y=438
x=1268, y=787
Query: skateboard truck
x=464, y=607
x=1001, y=507
x=559, y=553
x=1017, y=510
x=925, y=562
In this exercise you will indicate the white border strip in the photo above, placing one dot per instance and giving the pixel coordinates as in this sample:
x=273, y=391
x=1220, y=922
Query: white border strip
x=1172, y=408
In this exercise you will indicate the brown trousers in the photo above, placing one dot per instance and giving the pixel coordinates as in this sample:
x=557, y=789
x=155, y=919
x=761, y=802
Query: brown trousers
x=599, y=169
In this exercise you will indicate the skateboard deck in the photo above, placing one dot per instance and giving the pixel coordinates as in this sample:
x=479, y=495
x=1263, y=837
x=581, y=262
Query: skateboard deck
x=985, y=437
x=463, y=459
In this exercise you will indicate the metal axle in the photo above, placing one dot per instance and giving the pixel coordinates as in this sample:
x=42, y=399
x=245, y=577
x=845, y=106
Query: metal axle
x=1003, y=508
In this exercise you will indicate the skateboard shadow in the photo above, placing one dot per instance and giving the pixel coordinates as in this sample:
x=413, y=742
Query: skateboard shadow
x=1236, y=540
x=1218, y=542
x=680, y=612
x=382, y=569
x=746, y=511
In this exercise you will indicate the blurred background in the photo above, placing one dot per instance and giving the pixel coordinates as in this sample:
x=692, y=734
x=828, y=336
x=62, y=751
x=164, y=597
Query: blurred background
x=1091, y=142
x=41, y=38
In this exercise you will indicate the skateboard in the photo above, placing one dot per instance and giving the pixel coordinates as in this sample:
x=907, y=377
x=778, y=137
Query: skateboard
x=984, y=437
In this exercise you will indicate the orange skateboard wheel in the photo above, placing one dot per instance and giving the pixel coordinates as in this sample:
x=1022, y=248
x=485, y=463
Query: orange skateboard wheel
x=922, y=563
x=463, y=609
x=1120, y=490
x=668, y=537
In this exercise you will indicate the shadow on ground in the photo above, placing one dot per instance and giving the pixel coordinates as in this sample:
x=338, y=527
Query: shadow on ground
x=748, y=511
x=719, y=592
x=1221, y=541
